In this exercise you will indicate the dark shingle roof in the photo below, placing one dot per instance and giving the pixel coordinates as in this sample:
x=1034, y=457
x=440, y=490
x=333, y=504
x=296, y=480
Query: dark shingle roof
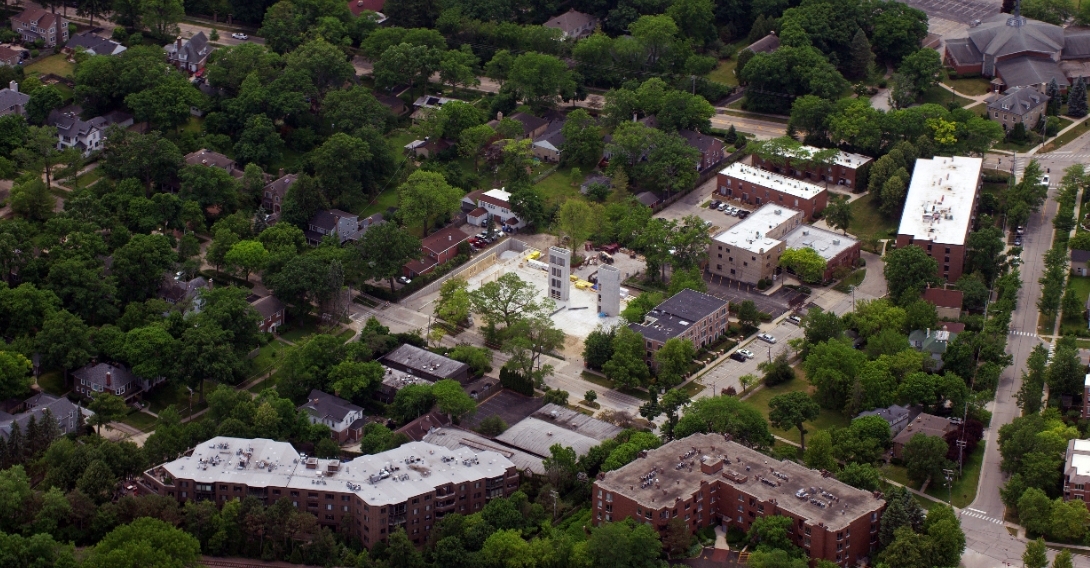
x=998, y=38
x=97, y=373
x=673, y=317
x=10, y=98
x=569, y=21
x=268, y=306
x=964, y=51
x=767, y=44
x=1026, y=70
x=1080, y=255
x=326, y=406
x=529, y=122
x=1019, y=100
x=93, y=43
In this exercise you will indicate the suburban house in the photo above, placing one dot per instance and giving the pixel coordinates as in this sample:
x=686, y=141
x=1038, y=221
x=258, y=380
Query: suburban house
x=1079, y=258
x=689, y=314
x=750, y=251
x=844, y=168
x=9, y=56
x=757, y=186
x=767, y=44
x=428, y=147
x=346, y=226
x=478, y=217
x=926, y=424
x=425, y=364
x=710, y=148
x=272, y=312
x=204, y=157
x=932, y=342
x=498, y=203
x=343, y=418
x=573, y=24
x=189, y=55
x=1023, y=105
x=395, y=104
x=68, y=416
x=427, y=103
x=896, y=416
x=837, y=250
x=114, y=379
x=939, y=210
x=93, y=44
x=947, y=302
x=532, y=126
x=272, y=195
x=184, y=293
x=12, y=101
x=549, y=144
x=86, y=135
x=649, y=198
x=712, y=481
x=439, y=247
x=33, y=24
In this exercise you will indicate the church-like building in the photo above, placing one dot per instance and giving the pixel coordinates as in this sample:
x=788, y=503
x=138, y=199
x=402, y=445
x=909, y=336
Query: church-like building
x=1019, y=52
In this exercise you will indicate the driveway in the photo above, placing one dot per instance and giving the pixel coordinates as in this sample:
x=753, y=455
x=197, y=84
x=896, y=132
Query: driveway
x=737, y=292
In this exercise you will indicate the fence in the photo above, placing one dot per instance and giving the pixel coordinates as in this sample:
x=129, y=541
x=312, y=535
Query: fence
x=471, y=268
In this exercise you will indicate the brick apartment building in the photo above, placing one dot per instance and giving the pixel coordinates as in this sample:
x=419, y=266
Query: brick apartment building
x=410, y=487
x=707, y=480
x=759, y=187
x=750, y=251
x=1077, y=471
x=940, y=208
x=845, y=168
x=836, y=249
x=688, y=314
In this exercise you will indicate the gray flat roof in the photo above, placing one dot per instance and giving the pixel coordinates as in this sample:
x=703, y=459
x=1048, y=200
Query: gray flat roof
x=825, y=242
x=423, y=360
x=752, y=233
x=454, y=438
x=577, y=421
x=756, y=475
x=674, y=316
x=385, y=478
x=536, y=436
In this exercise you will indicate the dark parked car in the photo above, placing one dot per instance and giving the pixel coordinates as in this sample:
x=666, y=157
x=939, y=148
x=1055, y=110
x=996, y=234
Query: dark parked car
x=738, y=357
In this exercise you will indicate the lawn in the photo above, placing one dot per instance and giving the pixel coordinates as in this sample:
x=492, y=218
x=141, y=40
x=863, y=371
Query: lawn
x=195, y=124
x=941, y=96
x=604, y=382
x=1076, y=323
x=868, y=222
x=972, y=86
x=268, y=358
x=854, y=279
x=86, y=179
x=56, y=64
x=140, y=420
x=964, y=488
x=1066, y=137
x=169, y=394
x=557, y=187
x=52, y=382
x=827, y=420
x=899, y=474
x=346, y=335
x=724, y=72
x=692, y=388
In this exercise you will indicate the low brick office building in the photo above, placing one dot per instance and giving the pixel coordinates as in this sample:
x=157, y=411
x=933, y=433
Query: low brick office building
x=750, y=251
x=706, y=481
x=940, y=208
x=845, y=168
x=410, y=487
x=759, y=187
x=836, y=249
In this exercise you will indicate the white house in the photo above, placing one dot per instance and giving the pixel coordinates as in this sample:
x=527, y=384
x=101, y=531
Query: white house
x=496, y=202
x=343, y=418
x=87, y=135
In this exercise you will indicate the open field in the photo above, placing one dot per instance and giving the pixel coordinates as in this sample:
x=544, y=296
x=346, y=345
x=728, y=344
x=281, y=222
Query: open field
x=827, y=420
x=55, y=64
x=868, y=222
x=972, y=86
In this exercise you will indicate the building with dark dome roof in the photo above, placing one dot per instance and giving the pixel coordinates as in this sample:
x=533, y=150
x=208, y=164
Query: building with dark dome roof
x=1020, y=52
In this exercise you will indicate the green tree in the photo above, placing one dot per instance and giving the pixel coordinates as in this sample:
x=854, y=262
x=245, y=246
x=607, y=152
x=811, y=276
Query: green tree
x=168, y=104
x=32, y=200
x=725, y=415
x=1068, y=520
x=453, y=304
x=14, y=374
x=458, y=67
x=384, y=249
x=43, y=101
x=452, y=400
x=1034, y=556
x=922, y=67
x=582, y=139
x=107, y=408
x=820, y=453
x=673, y=359
x=748, y=314
x=411, y=402
x=472, y=140
x=695, y=19
x=506, y=300
x=1076, y=99
x=860, y=475
x=539, y=80
x=839, y=214
x=627, y=367
x=908, y=270
x=1063, y=560
x=791, y=410
x=64, y=341
x=406, y=64
x=925, y=457
x=861, y=56
x=773, y=532
x=259, y=142
x=247, y=256
x=145, y=542
x=162, y=16
x=425, y=196
x=624, y=544
x=577, y=220
x=805, y=262
x=598, y=347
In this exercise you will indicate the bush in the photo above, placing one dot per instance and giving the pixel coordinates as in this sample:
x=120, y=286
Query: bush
x=492, y=426
x=882, y=84
x=510, y=379
x=763, y=284
x=556, y=396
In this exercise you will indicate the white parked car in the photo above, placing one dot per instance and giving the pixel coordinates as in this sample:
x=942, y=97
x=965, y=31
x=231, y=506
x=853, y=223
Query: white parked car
x=746, y=353
x=239, y=35
x=794, y=319
x=766, y=337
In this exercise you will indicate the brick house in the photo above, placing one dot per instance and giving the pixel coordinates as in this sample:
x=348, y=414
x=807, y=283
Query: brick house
x=272, y=195
x=947, y=302
x=272, y=311
x=439, y=247
x=757, y=187
x=710, y=148
x=189, y=55
x=114, y=379
x=1018, y=105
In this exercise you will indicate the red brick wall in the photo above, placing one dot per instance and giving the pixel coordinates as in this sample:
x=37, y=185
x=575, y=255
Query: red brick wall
x=758, y=195
x=951, y=264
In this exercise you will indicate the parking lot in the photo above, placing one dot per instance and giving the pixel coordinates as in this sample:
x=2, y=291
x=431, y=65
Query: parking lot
x=961, y=11
x=726, y=374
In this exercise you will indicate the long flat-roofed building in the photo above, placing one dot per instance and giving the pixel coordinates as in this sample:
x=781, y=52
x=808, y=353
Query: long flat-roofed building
x=760, y=187
x=845, y=168
x=689, y=314
x=707, y=480
x=837, y=250
x=940, y=208
x=410, y=487
x=425, y=364
x=750, y=251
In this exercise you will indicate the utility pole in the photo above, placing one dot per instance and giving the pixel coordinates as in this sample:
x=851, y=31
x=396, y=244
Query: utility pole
x=949, y=474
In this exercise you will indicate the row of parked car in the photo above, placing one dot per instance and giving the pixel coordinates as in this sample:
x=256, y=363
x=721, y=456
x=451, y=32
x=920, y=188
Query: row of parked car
x=728, y=209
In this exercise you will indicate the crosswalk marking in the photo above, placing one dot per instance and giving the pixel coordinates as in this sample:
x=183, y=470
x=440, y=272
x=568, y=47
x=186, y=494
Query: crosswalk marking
x=982, y=517
x=1025, y=333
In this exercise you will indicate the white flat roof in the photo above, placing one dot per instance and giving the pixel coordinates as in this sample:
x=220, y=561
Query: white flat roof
x=1087, y=383
x=1082, y=445
x=772, y=180
x=385, y=478
x=940, y=198
x=827, y=243
x=498, y=194
x=845, y=159
x=752, y=233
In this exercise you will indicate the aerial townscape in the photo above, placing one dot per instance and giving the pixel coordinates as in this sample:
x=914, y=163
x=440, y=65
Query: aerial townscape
x=543, y=284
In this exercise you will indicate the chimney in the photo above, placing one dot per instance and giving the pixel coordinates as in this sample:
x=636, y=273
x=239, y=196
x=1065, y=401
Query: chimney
x=280, y=173
x=178, y=44
x=14, y=86
x=109, y=376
